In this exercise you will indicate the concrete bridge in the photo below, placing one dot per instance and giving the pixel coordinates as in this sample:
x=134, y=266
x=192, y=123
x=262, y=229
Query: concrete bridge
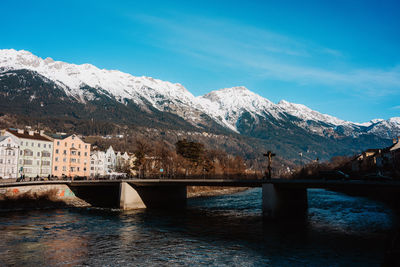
x=280, y=197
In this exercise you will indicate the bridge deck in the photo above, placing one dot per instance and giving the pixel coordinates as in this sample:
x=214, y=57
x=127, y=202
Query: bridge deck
x=329, y=184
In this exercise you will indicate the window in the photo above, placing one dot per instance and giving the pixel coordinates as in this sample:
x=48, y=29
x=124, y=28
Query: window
x=49, y=146
x=64, y=159
x=85, y=146
x=46, y=154
x=55, y=168
x=20, y=152
x=1, y=161
x=73, y=160
x=58, y=143
x=64, y=168
x=9, y=152
x=79, y=153
x=65, y=144
x=44, y=145
x=84, y=169
x=72, y=169
x=32, y=144
x=65, y=152
x=28, y=152
x=26, y=143
x=73, y=152
x=85, y=154
x=56, y=151
x=27, y=162
x=92, y=162
x=38, y=162
x=22, y=143
x=56, y=159
x=79, y=145
x=38, y=154
x=77, y=169
x=72, y=145
x=45, y=163
x=38, y=144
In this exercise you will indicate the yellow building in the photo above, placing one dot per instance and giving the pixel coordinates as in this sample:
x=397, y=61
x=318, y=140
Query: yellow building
x=71, y=156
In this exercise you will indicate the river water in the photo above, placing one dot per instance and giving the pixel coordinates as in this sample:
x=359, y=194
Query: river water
x=215, y=231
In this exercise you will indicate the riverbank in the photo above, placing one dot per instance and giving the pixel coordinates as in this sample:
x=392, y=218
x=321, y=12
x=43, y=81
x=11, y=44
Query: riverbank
x=39, y=200
x=209, y=191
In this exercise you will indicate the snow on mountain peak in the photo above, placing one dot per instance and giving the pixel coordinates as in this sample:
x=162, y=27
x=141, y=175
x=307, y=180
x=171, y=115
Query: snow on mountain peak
x=120, y=85
x=225, y=106
x=305, y=113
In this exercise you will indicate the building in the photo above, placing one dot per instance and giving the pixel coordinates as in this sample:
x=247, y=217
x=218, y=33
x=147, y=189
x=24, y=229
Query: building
x=122, y=161
x=71, y=155
x=377, y=159
x=111, y=160
x=35, y=152
x=98, y=166
x=9, y=151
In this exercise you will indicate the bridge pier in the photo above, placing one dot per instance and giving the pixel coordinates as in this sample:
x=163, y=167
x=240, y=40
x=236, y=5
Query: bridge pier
x=280, y=202
x=166, y=197
x=129, y=198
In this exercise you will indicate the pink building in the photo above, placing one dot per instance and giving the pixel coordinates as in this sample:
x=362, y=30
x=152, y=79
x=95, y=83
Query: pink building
x=71, y=156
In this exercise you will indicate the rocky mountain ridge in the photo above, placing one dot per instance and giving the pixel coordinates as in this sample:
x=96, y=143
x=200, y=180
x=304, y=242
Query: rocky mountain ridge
x=33, y=86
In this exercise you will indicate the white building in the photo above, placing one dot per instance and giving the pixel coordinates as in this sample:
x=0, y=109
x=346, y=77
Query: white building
x=98, y=166
x=35, y=152
x=9, y=150
x=111, y=159
x=122, y=160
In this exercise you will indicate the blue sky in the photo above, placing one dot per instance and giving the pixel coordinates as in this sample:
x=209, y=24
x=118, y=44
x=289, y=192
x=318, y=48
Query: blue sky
x=338, y=57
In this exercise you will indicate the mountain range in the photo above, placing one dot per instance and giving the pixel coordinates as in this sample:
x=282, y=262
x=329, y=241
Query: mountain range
x=52, y=90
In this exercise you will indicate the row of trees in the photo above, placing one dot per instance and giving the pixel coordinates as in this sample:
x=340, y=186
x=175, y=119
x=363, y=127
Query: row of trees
x=185, y=158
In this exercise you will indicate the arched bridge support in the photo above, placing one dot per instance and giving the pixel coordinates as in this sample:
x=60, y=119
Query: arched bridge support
x=281, y=202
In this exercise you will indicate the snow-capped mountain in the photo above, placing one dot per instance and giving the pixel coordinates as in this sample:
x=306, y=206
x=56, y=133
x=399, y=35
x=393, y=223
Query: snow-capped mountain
x=236, y=109
x=385, y=128
x=72, y=78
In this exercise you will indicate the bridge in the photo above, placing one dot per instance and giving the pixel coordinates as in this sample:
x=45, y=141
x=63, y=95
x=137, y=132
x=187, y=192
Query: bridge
x=280, y=197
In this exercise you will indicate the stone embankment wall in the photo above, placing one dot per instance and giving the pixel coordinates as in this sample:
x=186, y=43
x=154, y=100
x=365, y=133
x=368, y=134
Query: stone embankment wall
x=36, y=196
x=62, y=191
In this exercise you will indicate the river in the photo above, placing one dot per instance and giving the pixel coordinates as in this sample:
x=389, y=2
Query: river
x=215, y=231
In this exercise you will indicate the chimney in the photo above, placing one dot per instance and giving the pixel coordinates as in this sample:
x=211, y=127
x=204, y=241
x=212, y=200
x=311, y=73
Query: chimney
x=31, y=133
x=20, y=131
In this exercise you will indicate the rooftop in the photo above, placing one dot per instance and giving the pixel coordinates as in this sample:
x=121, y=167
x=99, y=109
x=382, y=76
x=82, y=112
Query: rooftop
x=28, y=134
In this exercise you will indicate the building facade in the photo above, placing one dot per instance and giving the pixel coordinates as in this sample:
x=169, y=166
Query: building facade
x=111, y=160
x=122, y=161
x=9, y=151
x=35, y=152
x=98, y=166
x=71, y=155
